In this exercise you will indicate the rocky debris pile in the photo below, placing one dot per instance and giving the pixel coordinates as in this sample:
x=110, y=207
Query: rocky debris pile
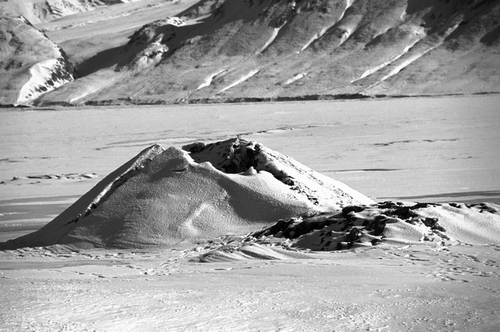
x=393, y=223
x=356, y=226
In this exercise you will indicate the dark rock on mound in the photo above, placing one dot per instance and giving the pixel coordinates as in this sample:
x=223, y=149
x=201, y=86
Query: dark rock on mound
x=386, y=222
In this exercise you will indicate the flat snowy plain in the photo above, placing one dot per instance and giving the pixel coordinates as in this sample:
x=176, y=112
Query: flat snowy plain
x=418, y=149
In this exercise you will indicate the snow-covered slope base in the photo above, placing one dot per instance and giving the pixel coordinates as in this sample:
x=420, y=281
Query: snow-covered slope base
x=166, y=197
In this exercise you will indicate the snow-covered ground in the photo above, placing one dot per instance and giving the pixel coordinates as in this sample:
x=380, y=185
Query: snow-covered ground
x=419, y=149
x=382, y=289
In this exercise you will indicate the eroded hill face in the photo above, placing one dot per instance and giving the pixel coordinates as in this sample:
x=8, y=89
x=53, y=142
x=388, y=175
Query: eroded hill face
x=220, y=50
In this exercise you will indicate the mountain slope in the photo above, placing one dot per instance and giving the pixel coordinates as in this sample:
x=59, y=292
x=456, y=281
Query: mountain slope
x=30, y=63
x=41, y=11
x=221, y=49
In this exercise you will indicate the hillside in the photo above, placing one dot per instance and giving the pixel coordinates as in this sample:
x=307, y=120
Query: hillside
x=155, y=51
x=30, y=63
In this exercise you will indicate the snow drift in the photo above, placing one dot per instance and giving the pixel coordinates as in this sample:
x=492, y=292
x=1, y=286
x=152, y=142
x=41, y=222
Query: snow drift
x=170, y=196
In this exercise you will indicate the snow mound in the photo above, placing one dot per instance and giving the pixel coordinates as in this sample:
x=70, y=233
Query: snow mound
x=240, y=156
x=174, y=196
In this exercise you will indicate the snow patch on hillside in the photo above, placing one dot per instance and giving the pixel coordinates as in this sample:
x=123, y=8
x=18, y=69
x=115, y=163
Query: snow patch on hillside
x=39, y=11
x=239, y=81
x=270, y=40
x=45, y=76
x=163, y=196
x=409, y=55
x=208, y=80
x=419, y=35
x=315, y=37
x=151, y=55
x=325, y=29
x=295, y=78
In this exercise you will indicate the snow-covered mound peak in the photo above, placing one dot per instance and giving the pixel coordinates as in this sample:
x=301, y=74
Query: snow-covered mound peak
x=170, y=196
x=240, y=156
